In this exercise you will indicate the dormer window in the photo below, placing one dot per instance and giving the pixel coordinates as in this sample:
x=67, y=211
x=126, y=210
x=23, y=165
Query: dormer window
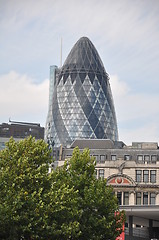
x=127, y=157
x=113, y=157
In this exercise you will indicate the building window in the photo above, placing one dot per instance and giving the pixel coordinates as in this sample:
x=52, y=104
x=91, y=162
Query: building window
x=153, y=176
x=96, y=157
x=138, y=198
x=145, y=176
x=147, y=158
x=145, y=198
x=140, y=158
x=119, y=197
x=102, y=158
x=126, y=157
x=138, y=175
x=139, y=145
x=101, y=173
x=126, y=198
x=113, y=157
x=152, y=198
x=153, y=158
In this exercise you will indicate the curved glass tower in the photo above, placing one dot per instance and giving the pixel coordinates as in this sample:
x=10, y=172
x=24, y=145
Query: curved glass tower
x=80, y=103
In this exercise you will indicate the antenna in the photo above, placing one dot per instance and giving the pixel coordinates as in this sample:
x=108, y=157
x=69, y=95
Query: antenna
x=61, y=54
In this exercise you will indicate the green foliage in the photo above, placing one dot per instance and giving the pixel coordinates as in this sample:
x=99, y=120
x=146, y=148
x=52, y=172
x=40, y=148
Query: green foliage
x=96, y=202
x=24, y=182
x=67, y=203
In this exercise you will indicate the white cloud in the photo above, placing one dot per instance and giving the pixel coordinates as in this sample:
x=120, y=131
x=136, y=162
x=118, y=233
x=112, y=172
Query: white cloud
x=146, y=133
x=131, y=105
x=119, y=88
x=137, y=114
x=22, y=99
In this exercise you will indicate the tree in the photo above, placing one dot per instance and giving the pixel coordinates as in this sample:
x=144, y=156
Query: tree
x=96, y=203
x=24, y=184
x=33, y=204
x=66, y=203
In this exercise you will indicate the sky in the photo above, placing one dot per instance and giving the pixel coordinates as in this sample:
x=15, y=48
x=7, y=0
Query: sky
x=125, y=34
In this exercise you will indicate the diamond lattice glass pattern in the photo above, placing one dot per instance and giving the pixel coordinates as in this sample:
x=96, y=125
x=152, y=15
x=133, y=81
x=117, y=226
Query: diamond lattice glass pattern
x=82, y=103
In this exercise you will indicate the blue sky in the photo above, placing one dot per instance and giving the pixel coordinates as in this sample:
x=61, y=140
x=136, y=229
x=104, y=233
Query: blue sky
x=124, y=32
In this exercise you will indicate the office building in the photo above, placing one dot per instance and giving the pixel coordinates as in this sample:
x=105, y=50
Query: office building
x=80, y=101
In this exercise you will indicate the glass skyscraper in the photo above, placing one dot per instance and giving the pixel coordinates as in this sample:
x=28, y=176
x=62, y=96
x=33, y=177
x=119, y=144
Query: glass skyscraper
x=80, y=99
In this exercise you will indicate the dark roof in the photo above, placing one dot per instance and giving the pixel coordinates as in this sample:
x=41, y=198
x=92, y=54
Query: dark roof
x=93, y=143
x=97, y=144
x=24, y=123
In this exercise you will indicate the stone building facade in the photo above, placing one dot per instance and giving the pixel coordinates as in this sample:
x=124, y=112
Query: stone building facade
x=133, y=171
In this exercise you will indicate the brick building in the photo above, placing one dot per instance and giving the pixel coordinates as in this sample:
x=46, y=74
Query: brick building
x=19, y=130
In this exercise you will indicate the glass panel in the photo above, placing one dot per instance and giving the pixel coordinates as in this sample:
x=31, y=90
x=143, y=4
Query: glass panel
x=96, y=86
x=153, y=158
x=101, y=96
x=102, y=158
x=138, y=175
x=77, y=85
x=147, y=158
x=101, y=173
x=99, y=131
x=152, y=198
x=153, y=176
x=87, y=108
x=145, y=198
x=104, y=87
x=127, y=157
x=86, y=62
x=138, y=198
x=126, y=198
x=73, y=76
x=91, y=97
x=65, y=76
x=91, y=76
x=86, y=89
x=99, y=76
x=93, y=120
x=82, y=76
x=119, y=197
x=146, y=176
x=140, y=158
x=113, y=157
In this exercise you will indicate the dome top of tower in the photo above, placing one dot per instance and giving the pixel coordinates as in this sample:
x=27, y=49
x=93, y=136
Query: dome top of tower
x=83, y=56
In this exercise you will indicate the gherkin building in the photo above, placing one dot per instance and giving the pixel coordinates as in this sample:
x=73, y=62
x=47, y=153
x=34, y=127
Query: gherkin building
x=80, y=99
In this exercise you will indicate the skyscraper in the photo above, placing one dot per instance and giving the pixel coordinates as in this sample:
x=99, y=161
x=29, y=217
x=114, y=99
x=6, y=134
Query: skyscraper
x=80, y=102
